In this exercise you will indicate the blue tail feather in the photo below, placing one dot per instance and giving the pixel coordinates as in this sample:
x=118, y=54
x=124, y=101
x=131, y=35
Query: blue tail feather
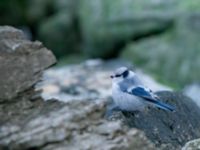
x=164, y=106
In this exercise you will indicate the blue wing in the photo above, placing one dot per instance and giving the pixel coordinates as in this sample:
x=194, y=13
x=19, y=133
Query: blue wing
x=150, y=97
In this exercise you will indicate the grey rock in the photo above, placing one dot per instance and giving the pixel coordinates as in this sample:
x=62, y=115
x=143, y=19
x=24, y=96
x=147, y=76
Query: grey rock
x=21, y=62
x=27, y=123
x=76, y=125
x=192, y=145
x=88, y=80
x=8, y=32
x=169, y=130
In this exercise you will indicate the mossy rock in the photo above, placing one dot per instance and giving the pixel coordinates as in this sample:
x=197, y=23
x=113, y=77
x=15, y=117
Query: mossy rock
x=107, y=25
x=173, y=57
x=59, y=34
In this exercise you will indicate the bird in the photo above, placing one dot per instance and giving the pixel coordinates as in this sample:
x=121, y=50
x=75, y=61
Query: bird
x=130, y=94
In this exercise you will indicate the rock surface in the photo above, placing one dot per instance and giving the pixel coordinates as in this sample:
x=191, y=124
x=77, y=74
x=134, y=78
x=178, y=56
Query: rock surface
x=192, y=145
x=21, y=62
x=76, y=126
x=31, y=123
x=168, y=129
x=8, y=32
x=28, y=122
x=88, y=80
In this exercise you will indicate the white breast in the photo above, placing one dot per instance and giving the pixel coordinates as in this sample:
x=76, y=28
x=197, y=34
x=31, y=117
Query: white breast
x=126, y=101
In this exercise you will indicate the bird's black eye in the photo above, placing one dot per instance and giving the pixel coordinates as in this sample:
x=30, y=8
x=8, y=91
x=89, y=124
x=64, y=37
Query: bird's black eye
x=125, y=74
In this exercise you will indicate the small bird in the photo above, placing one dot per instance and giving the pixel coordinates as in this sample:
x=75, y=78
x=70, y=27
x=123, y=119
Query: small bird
x=129, y=93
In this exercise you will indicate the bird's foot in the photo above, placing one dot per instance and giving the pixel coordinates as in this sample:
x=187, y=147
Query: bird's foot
x=110, y=110
x=134, y=113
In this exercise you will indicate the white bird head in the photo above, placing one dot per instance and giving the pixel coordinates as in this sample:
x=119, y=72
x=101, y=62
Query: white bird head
x=121, y=73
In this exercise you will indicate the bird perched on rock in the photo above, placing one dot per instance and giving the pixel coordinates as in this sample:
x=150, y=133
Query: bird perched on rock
x=129, y=93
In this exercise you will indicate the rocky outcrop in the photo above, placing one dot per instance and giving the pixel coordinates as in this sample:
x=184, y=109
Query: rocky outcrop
x=168, y=129
x=76, y=126
x=28, y=122
x=90, y=80
x=192, y=145
x=173, y=56
x=21, y=63
x=8, y=32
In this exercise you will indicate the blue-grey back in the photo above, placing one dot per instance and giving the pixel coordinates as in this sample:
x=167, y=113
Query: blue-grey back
x=129, y=82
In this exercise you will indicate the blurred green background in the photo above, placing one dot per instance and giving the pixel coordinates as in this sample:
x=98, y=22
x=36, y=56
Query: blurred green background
x=160, y=36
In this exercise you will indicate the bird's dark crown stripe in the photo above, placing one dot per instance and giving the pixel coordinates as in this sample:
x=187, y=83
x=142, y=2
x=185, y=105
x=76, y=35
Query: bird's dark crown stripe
x=125, y=73
x=117, y=75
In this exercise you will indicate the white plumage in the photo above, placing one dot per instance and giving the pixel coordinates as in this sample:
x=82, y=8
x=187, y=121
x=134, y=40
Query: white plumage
x=126, y=101
x=129, y=94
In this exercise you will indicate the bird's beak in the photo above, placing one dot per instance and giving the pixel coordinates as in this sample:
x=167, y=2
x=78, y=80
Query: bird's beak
x=111, y=76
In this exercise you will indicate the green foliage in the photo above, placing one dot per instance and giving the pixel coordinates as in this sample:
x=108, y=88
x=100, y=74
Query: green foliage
x=71, y=59
x=58, y=34
x=51, y=21
x=12, y=12
x=191, y=5
x=173, y=56
x=106, y=24
x=102, y=25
